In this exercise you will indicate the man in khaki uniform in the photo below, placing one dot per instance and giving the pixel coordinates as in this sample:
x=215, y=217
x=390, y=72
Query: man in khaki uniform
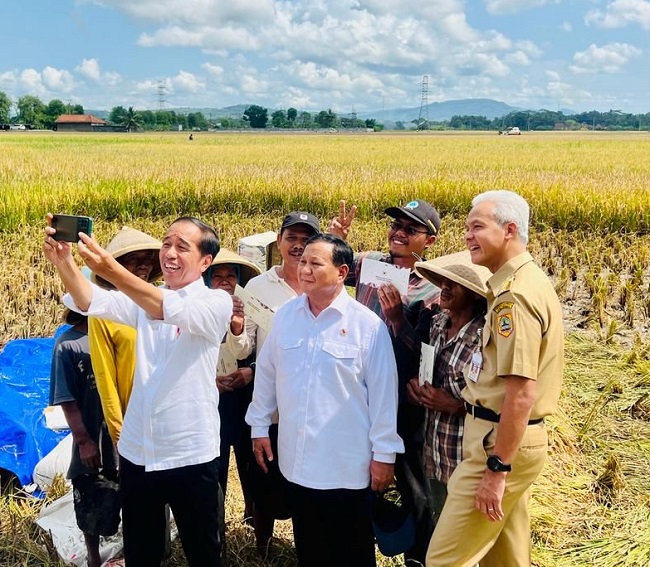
x=511, y=388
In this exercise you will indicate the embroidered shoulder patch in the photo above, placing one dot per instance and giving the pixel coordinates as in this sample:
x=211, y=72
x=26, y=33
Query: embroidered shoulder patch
x=502, y=306
x=505, y=325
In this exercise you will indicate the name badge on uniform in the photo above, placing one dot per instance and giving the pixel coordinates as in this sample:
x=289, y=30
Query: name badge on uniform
x=475, y=367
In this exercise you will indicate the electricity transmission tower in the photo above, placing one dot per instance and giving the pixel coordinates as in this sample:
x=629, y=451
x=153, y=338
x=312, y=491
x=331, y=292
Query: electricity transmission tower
x=423, y=117
x=161, y=95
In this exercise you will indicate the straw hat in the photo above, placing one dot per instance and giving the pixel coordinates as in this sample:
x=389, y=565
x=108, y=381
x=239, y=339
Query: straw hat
x=247, y=270
x=458, y=268
x=131, y=240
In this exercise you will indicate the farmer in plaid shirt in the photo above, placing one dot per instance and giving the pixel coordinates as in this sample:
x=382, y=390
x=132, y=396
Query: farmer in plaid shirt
x=455, y=335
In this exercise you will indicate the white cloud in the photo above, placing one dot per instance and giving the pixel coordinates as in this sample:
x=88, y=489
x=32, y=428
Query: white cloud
x=566, y=27
x=512, y=6
x=90, y=69
x=518, y=58
x=621, y=13
x=58, y=80
x=609, y=58
x=206, y=38
x=187, y=82
x=31, y=79
x=8, y=80
x=214, y=70
x=565, y=93
x=219, y=12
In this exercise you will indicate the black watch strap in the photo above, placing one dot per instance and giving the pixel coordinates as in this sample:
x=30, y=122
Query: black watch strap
x=495, y=464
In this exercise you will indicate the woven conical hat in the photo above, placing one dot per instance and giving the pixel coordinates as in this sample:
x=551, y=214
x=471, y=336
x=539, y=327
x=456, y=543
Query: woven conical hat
x=131, y=240
x=247, y=269
x=458, y=268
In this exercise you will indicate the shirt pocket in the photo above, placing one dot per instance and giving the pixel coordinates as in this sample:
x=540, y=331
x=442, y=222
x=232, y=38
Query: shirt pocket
x=291, y=356
x=341, y=360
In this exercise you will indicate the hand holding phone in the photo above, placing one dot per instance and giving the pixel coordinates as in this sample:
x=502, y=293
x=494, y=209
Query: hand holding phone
x=68, y=227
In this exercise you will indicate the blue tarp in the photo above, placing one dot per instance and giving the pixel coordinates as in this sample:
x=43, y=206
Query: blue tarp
x=24, y=393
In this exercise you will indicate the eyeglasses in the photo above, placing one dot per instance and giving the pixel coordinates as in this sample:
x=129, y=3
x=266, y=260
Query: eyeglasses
x=406, y=228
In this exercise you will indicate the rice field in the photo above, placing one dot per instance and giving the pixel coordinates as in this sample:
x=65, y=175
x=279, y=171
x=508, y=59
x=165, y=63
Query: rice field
x=589, y=194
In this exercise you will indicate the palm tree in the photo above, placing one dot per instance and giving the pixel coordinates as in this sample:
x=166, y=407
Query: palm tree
x=132, y=120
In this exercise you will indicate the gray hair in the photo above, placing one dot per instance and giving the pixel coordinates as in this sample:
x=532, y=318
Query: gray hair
x=508, y=207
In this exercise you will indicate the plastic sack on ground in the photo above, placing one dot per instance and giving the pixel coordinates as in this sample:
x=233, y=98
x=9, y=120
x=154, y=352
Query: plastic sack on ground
x=56, y=462
x=59, y=520
x=24, y=393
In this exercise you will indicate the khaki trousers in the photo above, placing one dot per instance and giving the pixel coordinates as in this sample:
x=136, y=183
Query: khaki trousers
x=464, y=536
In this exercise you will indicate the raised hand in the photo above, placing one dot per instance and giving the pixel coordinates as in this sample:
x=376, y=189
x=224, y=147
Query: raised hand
x=340, y=226
x=238, y=318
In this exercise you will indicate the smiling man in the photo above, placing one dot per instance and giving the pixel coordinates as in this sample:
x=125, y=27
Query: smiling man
x=510, y=390
x=411, y=232
x=328, y=369
x=170, y=437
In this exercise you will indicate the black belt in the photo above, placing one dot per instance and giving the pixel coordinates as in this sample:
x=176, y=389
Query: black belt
x=488, y=415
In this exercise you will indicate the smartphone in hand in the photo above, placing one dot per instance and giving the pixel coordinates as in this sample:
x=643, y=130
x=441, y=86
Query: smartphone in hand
x=68, y=227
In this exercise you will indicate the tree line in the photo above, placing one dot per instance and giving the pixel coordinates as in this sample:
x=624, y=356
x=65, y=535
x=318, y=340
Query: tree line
x=31, y=111
x=541, y=120
x=34, y=113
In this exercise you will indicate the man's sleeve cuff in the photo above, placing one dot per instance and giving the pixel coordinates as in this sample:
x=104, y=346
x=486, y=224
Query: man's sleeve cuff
x=259, y=432
x=388, y=458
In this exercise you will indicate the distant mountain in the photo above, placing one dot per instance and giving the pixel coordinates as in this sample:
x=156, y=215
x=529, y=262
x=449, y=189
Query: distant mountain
x=99, y=113
x=439, y=111
x=435, y=111
x=236, y=111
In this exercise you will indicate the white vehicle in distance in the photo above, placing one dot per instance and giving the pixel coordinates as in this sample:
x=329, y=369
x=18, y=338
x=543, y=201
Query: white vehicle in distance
x=512, y=131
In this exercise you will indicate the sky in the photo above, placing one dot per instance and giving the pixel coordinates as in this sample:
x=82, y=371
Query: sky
x=347, y=55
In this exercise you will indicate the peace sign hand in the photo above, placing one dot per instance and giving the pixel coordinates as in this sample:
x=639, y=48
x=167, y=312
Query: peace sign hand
x=340, y=226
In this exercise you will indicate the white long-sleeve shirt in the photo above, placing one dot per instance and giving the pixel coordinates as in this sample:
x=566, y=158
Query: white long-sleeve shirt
x=172, y=419
x=333, y=379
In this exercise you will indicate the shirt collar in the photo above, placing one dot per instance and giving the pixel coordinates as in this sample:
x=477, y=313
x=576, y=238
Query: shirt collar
x=190, y=288
x=507, y=271
x=272, y=273
x=338, y=304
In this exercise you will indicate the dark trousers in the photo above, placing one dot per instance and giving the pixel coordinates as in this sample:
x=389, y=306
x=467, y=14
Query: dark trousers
x=194, y=496
x=244, y=459
x=332, y=527
x=409, y=476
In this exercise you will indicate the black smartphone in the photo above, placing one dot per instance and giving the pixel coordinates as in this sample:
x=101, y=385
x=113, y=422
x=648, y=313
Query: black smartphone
x=68, y=227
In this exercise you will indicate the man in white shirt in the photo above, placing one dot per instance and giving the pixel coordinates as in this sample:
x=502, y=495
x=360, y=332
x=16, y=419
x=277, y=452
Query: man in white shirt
x=328, y=367
x=274, y=288
x=170, y=438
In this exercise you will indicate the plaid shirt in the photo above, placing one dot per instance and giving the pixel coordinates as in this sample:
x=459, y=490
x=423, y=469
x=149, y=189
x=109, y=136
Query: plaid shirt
x=444, y=431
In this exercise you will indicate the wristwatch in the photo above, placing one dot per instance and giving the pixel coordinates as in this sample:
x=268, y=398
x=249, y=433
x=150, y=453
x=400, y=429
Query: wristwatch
x=495, y=464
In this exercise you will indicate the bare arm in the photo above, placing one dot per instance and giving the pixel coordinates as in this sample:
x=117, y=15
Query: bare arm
x=517, y=404
x=88, y=449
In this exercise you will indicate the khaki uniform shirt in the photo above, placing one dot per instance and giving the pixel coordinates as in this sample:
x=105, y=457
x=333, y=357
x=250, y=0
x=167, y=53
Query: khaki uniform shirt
x=523, y=336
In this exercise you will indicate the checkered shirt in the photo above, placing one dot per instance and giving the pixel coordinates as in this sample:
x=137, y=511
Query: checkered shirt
x=443, y=431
